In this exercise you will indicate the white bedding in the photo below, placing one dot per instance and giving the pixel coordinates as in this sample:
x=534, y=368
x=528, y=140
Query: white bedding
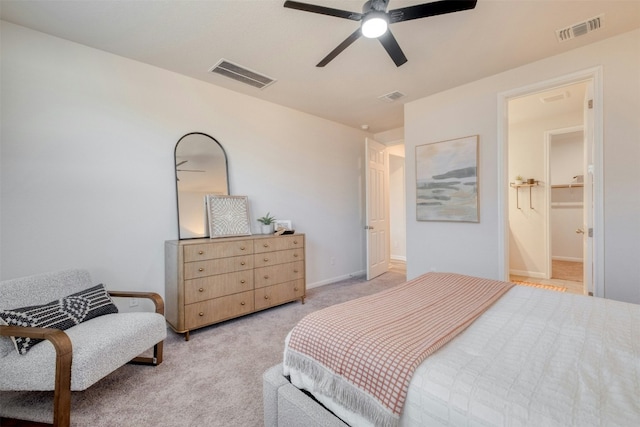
x=535, y=358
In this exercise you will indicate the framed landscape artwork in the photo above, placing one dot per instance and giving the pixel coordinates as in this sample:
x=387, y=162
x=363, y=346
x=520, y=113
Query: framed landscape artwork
x=447, y=180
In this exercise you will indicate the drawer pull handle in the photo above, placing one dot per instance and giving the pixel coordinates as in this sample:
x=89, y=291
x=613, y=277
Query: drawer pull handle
x=266, y=276
x=295, y=242
x=242, y=281
x=242, y=248
x=201, y=314
x=295, y=289
x=295, y=255
x=201, y=290
x=201, y=269
x=242, y=303
x=200, y=252
x=242, y=263
x=266, y=259
x=266, y=297
x=295, y=271
x=266, y=245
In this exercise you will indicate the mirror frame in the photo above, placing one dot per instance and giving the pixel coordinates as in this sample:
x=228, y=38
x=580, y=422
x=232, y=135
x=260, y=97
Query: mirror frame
x=175, y=168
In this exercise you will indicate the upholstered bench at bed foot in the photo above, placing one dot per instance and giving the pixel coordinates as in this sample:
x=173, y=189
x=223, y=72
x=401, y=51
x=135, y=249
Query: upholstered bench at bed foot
x=285, y=405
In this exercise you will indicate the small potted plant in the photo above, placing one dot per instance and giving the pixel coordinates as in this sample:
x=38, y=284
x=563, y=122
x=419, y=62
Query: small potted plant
x=519, y=180
x=267, y=223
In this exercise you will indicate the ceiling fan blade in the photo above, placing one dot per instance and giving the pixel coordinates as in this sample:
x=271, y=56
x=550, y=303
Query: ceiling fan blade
x=429, y=9
x=342, y=46
x=354, y=16
x=393, y=48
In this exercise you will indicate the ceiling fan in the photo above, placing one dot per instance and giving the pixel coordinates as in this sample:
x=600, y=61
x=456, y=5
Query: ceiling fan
x=185, y=170
x=375, y=20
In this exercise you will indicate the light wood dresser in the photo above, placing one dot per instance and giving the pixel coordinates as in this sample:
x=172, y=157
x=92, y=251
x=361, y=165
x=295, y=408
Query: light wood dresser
x=211, y=280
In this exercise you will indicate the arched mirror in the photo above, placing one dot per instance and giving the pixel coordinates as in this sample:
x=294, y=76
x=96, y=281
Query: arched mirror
x=201, y=169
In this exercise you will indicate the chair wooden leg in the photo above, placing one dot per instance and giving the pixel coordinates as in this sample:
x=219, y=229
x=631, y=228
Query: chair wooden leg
x=155, y=360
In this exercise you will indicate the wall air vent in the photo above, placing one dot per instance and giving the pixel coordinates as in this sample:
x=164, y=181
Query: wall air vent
x=241, y=74
x=391, y=96
x=580, y=29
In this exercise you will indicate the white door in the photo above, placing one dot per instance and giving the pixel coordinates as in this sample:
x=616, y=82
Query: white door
x=587, y=237
x=377, y=209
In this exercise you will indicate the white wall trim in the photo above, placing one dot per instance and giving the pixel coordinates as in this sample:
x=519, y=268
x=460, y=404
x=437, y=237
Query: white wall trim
x=594, y=74
x=524, y=273
x=566, y=258
x=360, y=274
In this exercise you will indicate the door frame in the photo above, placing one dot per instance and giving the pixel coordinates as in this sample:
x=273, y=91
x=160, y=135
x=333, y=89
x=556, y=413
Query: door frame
x=595, y=75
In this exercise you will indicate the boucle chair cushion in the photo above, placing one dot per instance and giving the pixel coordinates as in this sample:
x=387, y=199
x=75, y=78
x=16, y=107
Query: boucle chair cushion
x=100, y=346
x=59, y=314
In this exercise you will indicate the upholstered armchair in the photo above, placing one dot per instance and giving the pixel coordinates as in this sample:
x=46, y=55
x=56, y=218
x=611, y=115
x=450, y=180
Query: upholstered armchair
x=89, y=338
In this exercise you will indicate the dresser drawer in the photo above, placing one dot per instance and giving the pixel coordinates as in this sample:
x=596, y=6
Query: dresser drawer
x=278, y=294
x=218, y=309
x=267, y=276
x=193, y=270
x=278, y=243
x=279, y=257
x=217, y=250
x=196, y=290
x=292, y=242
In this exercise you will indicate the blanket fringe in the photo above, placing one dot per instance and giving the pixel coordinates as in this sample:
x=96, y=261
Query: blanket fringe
x=342, y=391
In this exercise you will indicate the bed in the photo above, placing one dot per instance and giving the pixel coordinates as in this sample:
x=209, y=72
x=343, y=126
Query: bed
x=528, y=357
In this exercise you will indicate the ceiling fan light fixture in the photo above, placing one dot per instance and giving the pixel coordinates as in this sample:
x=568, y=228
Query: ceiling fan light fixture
x=375, y=24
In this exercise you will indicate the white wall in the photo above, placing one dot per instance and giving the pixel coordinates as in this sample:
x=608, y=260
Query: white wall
x=87, y=165
x=472, y=109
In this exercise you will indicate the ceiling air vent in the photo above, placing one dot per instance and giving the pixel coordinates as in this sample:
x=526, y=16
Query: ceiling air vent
x=554, y=97
x=391, y=96
x=580, y=29
x=241, y=74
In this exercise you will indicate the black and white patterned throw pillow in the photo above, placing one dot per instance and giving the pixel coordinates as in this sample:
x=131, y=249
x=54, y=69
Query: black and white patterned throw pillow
x=60, y=314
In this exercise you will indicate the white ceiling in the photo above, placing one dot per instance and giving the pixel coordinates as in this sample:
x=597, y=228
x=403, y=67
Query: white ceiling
x=189, y=37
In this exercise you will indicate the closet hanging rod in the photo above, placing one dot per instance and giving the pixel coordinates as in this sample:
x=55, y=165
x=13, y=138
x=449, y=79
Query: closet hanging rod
x=577, y=184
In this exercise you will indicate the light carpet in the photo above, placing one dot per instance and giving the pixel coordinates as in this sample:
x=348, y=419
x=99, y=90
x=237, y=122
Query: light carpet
x=215, y=379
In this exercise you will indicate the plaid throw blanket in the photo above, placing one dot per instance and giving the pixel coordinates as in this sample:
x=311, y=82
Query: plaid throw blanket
x=363, y=353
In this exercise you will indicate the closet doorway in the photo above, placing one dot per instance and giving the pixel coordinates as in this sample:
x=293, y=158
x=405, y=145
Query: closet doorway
x=549, y=220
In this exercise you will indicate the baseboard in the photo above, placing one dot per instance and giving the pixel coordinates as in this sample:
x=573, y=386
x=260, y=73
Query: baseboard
x=398, y=258
x=566, y=258
x=335, y=279
x=535, y=274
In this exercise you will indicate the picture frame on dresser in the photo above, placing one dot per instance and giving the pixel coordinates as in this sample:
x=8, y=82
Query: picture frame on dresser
x=282, y=223
x=228, y=215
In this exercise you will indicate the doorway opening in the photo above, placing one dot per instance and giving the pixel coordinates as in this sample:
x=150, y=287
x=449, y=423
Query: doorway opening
x=385, y=223
x=552, y=137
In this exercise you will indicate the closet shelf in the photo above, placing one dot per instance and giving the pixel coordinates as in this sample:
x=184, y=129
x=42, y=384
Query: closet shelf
x=514, y=185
